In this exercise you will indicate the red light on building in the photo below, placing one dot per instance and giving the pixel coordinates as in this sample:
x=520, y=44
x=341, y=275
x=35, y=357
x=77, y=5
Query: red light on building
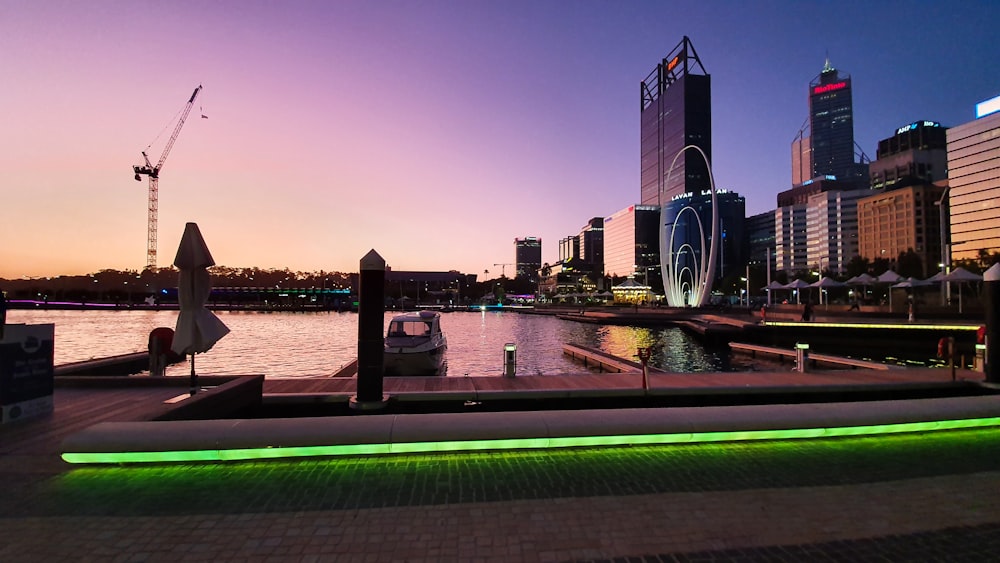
x=829, y=87
x=673, y=63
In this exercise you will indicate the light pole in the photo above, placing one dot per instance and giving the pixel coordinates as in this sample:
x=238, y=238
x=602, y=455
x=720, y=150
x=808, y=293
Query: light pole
x=945, y=259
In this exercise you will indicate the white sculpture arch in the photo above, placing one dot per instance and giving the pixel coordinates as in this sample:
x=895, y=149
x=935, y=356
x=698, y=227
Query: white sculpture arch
x=675, y=279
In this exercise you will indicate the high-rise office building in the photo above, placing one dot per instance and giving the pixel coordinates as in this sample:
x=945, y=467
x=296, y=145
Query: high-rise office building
x=831, y=128
x=591, y=239
x=676, y=111
x=631, y=244
x=896, y=221
x=802, y=164
x=832, y=229
x=790, y=238
x=528, y=257
x=760, y=234
x=569, y=248
x=974, y=183
x=916, y=154
x=689, y=215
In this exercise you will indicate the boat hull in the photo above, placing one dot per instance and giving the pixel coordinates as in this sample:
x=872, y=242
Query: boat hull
x=403, y=362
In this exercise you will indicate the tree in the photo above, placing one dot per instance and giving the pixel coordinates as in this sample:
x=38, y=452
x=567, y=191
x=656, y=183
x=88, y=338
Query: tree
x=879, y=266
x=857, y=266
x=909, y=264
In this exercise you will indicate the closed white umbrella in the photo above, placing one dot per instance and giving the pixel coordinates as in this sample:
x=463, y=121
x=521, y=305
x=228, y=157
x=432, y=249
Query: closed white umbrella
x=197, y=328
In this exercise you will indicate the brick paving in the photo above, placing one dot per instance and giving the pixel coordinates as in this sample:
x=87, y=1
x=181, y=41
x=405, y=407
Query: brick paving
x=924, y=497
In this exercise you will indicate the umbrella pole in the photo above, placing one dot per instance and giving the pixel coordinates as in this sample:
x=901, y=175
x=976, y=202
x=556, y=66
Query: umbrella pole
x=194, y=377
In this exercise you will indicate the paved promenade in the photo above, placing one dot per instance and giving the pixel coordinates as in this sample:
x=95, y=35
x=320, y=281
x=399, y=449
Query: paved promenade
x=916, y=497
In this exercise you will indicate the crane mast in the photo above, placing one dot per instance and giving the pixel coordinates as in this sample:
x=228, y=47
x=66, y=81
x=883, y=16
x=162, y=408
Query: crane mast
x=154, y=176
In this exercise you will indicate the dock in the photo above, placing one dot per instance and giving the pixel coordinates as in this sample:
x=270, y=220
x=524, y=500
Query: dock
x=602, y=361
x=813, y=360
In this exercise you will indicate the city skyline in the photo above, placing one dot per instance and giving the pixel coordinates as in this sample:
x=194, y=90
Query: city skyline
x=435, y=134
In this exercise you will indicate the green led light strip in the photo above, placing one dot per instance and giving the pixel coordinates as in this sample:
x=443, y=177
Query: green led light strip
x=872, y=325
x=522, y=443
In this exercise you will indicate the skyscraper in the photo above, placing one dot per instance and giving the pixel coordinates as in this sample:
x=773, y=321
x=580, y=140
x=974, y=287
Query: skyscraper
x=676, y=111
x=831, y=124
x=974, y=180
x=631, y=247
x=528, y=257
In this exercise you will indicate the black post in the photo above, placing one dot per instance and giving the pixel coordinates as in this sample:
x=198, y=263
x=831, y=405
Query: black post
x=991, y=290
x=371, y=310
x=3, y=313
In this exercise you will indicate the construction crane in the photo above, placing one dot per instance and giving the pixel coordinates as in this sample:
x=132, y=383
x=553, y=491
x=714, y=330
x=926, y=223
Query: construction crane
x=154, y=176
x=503, y=268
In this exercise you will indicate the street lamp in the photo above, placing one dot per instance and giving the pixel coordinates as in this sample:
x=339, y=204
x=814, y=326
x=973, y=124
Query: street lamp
x=945, y=259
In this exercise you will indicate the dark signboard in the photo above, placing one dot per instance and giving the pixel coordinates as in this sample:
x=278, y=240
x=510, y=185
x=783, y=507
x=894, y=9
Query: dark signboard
x=26, y=371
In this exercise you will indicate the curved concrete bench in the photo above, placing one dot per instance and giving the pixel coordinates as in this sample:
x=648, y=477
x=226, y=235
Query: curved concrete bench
x=219, y=440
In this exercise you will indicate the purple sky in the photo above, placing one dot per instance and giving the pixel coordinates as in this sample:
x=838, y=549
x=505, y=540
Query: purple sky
x=434, y=132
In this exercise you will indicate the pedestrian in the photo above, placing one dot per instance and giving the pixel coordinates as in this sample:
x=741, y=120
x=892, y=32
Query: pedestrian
x=807, y=311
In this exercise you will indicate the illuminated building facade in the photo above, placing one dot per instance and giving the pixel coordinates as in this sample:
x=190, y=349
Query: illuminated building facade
x=790, y=238
x=974, y=183
x=733, y=244
x=676, y=111
x=893, y=222
x=631, y=244
x=802, y=164
x=569, y=248
x=826, y=149
x=831, y=125
x=528, y=257
x=832, y=229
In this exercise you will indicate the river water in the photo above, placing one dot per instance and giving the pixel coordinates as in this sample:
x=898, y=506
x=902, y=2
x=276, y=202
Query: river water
x=284, y=344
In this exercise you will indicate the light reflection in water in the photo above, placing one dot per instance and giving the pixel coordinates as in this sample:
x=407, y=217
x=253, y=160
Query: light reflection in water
x=309, y=344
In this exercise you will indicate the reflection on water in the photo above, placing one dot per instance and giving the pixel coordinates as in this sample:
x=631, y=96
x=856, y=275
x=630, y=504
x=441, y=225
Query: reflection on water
x=309, y=344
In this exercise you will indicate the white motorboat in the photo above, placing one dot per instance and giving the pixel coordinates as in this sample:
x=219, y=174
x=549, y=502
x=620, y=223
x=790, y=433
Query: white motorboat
x=415, y=345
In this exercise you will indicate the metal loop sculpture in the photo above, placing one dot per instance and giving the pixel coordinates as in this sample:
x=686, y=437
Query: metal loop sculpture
x=677, y=278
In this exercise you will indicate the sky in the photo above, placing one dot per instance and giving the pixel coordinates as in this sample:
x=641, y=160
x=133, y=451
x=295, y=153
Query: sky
x=433, y=132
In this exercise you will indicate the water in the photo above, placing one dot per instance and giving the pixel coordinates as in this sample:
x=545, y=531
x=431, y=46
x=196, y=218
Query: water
x=315, y=344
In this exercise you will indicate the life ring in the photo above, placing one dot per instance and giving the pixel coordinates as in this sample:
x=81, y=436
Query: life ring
x=164, y=338
x=942, y=351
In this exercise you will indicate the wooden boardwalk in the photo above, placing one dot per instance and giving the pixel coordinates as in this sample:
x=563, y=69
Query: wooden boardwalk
x=78, y=407
x=611, y=384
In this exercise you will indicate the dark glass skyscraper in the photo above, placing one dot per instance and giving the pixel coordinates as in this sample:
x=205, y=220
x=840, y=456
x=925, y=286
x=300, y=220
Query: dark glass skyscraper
x=831, y=123
x=528, y=257
x=689, y=215
x=676, y=112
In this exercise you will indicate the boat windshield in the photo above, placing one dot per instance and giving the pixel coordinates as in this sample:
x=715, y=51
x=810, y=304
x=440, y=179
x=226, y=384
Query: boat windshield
x=409, y=328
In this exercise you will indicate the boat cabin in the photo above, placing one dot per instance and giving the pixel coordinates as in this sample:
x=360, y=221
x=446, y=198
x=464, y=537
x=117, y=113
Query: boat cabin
x=424, y=323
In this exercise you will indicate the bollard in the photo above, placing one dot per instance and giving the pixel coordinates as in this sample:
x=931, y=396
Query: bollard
x=371, y=343
x=801, y=357
x=644, y=354
x=509, y=359
x=991, y=292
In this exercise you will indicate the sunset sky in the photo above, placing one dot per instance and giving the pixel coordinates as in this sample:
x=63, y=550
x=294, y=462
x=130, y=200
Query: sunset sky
x=433, y=132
